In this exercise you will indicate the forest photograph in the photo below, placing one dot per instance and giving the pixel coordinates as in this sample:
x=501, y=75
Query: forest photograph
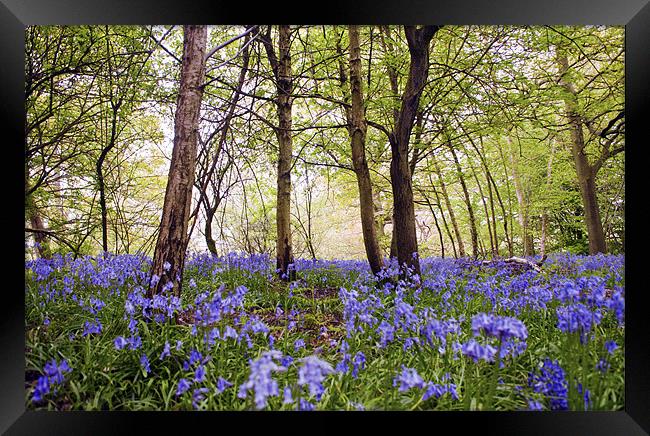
x=324, y=217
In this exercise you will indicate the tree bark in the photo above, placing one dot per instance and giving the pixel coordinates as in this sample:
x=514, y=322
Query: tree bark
x=210, y=210
x=450, y=209
x=485, y=207
x=522, y=202
x=542, y=244
x=36, y=223
x=169, y=254
x=586, y=173
x=468, y=203
x=418, y=40
x=281, y=66
x=357, y=128
x=100, y=174
x=442, y=215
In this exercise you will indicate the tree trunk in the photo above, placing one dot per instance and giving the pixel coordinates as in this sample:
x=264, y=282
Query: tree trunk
x=444, y=220
x=542, y=244
x=522, y=202
x=169, y=255
x=485, y=207
x=586, y=173
x=357, y=128
x=36, y=223
x=211, y=209
x=403, y=208
x=468, y=203
x=507, y=217
x=435, y=221
x=100, y=174
x=281, y=66
x=450, y=209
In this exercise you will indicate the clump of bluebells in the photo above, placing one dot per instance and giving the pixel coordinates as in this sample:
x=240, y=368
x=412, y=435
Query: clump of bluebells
x=336, y=338
x=551, y=382
x=53, y=378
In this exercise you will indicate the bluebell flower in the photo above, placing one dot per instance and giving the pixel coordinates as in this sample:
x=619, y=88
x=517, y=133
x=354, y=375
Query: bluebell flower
x=197, y=396
x=195, y=356
x=135, y=342
x=501, y=327
x=387, y=332
x=433, y=390
x=183, y=386
x=120, y=342
x=535, y=405
x=602, y=366
x=288, y=398
x=408, y=379
x=144, y=363
x=222, y=385
x=577, y=318
x=166, y=351
x=92, y=328
x=611, y=346
x=230, y=333
x=42, y=389
x=552, y=383
x=56, y=372
x=133, y=325
x=260, y=380
x=359, y=362
x=199, y=374
x=298, y=344
x=312, y=374
x=305, y=405
x=478, y=351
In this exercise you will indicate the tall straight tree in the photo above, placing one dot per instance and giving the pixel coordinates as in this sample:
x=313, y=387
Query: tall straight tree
x=418, y=40
x=169, y=254
x=585, y=170
x=281, y=66
x=357, y=128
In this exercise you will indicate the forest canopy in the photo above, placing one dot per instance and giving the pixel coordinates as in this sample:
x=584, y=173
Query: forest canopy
x=514, y=147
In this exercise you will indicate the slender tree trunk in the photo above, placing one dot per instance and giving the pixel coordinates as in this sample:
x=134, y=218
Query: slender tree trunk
x=495, y=253
x=549, y=168
x=211, y=210
x=379, y=213
x=418, y=40
x=169, y=254
x=491, y=184
x=507, y=218
x=209, y=239
x=521, y=201
x=450, y=209
x=36, y=223
x=357, y=127
x=100, y=174
x=586, y=173
x=435, y=221
x=485, y=207
x=442, y=215
x=281, y=65
x=468, y=203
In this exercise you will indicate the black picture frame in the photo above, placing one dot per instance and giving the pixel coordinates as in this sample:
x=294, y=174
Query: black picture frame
x=15, y=15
